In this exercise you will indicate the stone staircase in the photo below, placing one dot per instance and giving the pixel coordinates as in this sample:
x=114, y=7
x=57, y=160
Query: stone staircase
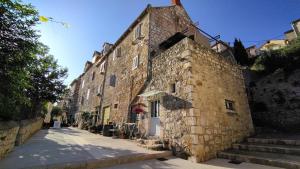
x=283, y=153
x=152, y=144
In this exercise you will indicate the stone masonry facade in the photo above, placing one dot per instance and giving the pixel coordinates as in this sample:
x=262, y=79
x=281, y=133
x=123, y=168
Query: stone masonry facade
x=190, y=96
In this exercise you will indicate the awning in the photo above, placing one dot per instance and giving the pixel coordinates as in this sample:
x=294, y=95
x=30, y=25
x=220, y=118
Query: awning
x=152, y=93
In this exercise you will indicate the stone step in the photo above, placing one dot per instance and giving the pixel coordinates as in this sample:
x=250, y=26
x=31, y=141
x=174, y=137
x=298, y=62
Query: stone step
x=105, y=162
x=270, y=159
x=274, y=141
x=156, y=147
x=152, y=142
x=283, y=149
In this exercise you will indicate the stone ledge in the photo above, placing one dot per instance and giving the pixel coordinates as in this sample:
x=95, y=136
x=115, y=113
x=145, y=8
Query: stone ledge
x=104, y=162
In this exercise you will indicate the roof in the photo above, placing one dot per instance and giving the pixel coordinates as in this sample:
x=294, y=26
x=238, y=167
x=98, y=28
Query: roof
x=296, y=20
x=129, y=29
x=253, y=46
x=74, y=81
x=289, y=31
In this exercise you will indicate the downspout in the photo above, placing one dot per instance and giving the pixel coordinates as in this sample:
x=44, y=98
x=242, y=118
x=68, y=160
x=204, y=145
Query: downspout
x=103, y=86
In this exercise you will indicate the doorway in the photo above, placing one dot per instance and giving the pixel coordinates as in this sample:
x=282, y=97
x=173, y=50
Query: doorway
x=155, y=121
x=106, y=113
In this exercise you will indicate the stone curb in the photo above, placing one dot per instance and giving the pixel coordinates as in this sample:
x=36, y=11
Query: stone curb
x=104, y=162
x=260, y=160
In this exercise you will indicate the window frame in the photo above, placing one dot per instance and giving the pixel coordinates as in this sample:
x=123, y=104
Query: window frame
x=88, y=94
x=93, y=76
x=135, y=62
x=82, y=85
x=229, y=105
x=112, y=80
x=155, y=108
x=173, y=87
x=138, y=31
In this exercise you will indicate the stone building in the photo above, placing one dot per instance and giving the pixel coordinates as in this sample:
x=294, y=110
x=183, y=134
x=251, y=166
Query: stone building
x=294, y=33
x=273, y=45
x=163, y=74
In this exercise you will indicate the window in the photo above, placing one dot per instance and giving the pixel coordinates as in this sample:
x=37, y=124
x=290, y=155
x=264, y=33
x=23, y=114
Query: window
x=138, y=32
x=88, y=94
x=155, y=108
x=135, y=63
x=102, y=68
x=229, y=105
x=117, y=53
x=82, y=100
x=98, y=90
x=173, y=88
x=112, y=80
x=93, y=76
x=115, y=106
x=82, y=84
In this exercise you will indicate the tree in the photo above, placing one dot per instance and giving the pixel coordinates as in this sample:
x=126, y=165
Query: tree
x=240, y=53
x=46, y=81
x=29, y=76
x=18, y=41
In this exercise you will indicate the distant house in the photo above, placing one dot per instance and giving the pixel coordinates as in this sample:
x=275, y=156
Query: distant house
x=273, y=45
x=252, y=51
x=224, y=49
x=292, y=34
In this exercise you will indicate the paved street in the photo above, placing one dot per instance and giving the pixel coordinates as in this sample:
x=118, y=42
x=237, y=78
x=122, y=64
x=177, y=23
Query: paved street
x=177, y=163
x=70, y=146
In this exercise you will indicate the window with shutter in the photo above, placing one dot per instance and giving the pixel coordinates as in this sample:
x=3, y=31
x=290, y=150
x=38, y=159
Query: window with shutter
x=102, y=68
x=82, y=84
x=93, y=76
x=119, y=52
x=138, y=32
x=135, y=63
x=88, y=94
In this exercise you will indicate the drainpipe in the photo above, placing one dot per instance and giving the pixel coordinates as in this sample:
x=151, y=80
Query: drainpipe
x=102, y=90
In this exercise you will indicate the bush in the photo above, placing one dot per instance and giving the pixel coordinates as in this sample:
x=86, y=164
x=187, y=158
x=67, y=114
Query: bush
x=287, y=58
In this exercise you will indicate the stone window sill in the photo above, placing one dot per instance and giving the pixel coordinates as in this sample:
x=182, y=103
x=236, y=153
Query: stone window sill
x=231, y=112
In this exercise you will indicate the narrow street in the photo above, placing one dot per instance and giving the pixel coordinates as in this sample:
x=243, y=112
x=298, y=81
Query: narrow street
x=74, y=148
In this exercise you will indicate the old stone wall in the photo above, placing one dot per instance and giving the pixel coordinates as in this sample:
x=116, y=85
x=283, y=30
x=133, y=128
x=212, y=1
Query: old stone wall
x=128, y=80
x=170, y=67
x=215, y=80
x=27, y=129
x=194, y=119
x=276, y=101
x=8, y=134
x=13, y=133
x=89, y=89
x=166, y=21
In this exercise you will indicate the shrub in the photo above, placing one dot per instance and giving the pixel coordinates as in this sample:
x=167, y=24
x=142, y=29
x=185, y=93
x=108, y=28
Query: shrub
x=287, y=58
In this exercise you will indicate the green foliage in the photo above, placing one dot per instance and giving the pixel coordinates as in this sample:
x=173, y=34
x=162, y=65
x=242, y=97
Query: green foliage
x=25, y=66
x=240, y=53
x=46, y=81
x=287, y=58
x=56, y=111
x=18, y=42
x=86, y=116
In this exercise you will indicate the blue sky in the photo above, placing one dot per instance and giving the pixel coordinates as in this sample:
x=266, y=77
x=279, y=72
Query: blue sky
x=93, y=22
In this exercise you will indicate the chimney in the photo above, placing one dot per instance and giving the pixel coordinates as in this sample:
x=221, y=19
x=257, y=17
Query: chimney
x=176, y=2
